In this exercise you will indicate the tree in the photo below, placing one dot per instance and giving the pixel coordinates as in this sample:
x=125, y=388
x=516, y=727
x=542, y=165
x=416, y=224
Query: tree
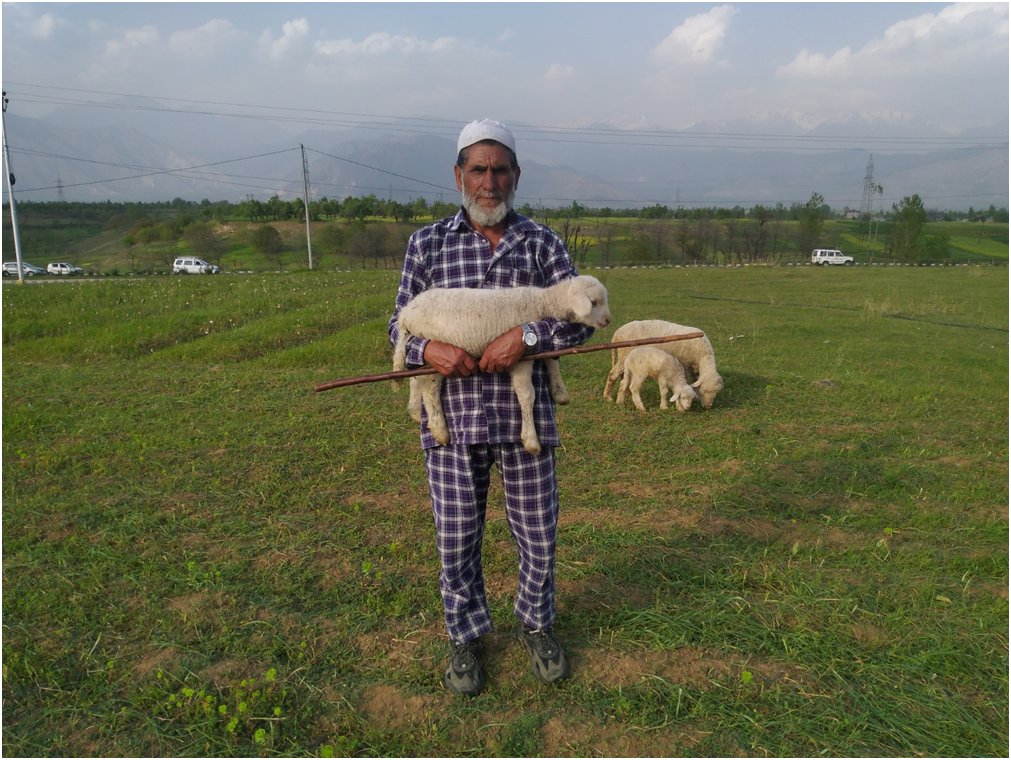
x=576, y=243
x=811, y=221
x=910, y=216
x=267, y=240
x=202, y=240
x=330, y=239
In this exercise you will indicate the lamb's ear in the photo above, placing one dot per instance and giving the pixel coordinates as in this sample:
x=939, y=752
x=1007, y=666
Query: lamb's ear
x=697, y=383
x=581, y=303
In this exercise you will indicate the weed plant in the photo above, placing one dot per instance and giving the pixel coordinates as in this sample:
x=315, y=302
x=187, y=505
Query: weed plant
x=204, y=557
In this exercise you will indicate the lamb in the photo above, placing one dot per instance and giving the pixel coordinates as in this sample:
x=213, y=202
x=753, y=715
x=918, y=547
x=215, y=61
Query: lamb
x=647, y=361
x=471, y=318
x=695, y=355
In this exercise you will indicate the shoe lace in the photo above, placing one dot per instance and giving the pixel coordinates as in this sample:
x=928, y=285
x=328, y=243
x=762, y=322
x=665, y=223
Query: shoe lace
x=544, y=641
x=464, y=653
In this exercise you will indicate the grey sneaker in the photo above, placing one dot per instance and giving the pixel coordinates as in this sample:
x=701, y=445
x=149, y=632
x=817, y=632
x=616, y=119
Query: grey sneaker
x=547, y=659
x=464, y=674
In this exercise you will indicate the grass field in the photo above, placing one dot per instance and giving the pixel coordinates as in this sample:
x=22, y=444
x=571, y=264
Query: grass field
x=203, y=556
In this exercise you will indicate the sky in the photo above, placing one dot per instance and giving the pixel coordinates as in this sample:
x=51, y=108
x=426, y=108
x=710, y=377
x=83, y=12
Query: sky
x=571, y=64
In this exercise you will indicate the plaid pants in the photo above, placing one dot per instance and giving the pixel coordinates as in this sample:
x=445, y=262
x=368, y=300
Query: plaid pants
x=458, y=479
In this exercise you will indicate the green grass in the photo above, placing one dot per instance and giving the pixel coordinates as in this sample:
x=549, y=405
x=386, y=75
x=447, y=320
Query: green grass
x=203, y=556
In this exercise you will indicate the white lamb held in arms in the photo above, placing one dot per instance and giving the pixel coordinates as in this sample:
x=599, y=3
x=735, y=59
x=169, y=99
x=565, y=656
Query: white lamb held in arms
x=646, y=361
x=696, y=355
x=471, y=318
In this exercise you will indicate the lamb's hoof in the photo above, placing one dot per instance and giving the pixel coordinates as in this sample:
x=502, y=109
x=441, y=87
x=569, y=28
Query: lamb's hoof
x=416, y=416
x=533, y=448
x=563, y=399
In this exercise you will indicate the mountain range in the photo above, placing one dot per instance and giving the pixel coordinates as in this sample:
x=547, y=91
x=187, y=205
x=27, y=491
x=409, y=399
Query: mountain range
x=139, y=151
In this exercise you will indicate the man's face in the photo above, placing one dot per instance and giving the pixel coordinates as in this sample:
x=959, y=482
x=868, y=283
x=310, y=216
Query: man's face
x=488, y=184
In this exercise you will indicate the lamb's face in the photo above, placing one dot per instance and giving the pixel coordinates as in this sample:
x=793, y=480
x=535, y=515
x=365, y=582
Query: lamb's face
x=589, y=299
x=683, y=401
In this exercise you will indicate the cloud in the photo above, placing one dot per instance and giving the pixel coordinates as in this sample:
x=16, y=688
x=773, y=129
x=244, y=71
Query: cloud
x=959, y=32
x=133, y=39
x=43, y=27
x=557, y=71
x=559, y=76
x=291, y=34
x=22, y=17
x=204, y=40
x=383, y=44
x=697, y=40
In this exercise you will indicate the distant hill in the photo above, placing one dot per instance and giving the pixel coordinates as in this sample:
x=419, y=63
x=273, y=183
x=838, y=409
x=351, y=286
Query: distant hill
x=125, y=154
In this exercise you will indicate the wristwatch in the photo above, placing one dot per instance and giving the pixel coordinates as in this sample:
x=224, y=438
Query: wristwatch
x=529, y=337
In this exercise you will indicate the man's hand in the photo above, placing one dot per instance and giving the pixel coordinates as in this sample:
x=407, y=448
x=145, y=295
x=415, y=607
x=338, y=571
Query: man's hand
x=449, y=361
x=503, y=352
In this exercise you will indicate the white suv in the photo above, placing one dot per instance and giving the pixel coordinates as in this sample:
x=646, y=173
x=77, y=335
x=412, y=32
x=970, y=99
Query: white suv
x=64, y=269
x=186, y=265
x=823, y=256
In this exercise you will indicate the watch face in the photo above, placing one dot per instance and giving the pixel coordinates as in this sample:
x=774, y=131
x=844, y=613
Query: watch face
x=530, y=339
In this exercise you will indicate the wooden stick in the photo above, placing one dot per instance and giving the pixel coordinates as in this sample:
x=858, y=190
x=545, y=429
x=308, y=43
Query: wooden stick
x=544, y=355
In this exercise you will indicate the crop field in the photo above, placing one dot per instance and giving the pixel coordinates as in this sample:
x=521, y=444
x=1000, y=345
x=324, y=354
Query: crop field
x=202, y=556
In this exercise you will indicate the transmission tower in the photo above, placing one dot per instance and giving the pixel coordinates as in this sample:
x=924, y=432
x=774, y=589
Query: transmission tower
x=867, y=201
x=59, y=189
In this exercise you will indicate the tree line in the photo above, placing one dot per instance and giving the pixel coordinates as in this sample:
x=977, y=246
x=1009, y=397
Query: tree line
x=656, y=234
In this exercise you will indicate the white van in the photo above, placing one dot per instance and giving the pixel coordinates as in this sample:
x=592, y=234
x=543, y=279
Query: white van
x=823, y=256
x=189, y=265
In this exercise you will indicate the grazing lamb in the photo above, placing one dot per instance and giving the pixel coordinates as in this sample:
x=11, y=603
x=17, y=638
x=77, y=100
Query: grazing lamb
x=695, y=355
x=471, y=318
x=647, y=361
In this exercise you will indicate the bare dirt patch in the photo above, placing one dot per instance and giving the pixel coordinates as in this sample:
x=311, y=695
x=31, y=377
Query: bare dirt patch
x=389, y=706
x=584, y=737
x=161, y=659
x=697, y=668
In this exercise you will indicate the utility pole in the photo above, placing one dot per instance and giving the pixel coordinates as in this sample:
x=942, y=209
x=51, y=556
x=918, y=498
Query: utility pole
x=881, y=209
x=10, y=189
x=305, y=198
x=867, y=201
x=59, y=189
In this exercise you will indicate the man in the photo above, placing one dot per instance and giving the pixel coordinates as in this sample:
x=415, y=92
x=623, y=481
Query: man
x=488, y=245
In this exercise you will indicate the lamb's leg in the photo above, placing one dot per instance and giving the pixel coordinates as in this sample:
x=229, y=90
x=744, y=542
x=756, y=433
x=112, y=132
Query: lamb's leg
x=623, y=388
x=555, y=383
x=635, y=385
x=522, y=377
x=414, y=402
x=431, y=394
x=612, y=377
x=663, y=393
x=610, y=380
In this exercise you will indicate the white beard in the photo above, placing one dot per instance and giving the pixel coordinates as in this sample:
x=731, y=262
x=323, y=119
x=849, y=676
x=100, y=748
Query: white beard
x=482, y=217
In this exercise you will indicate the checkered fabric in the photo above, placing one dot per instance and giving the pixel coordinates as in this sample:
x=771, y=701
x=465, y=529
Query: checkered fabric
x=483, y=408
x=458, y=504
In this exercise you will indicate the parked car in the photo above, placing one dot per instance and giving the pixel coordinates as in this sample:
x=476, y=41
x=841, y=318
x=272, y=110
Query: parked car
x=186, y=265
x=10, y=269
x=63, y=268
x=824, y=256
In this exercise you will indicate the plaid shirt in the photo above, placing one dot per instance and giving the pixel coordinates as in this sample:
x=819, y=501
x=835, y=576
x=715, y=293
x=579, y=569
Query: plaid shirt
x=483, y=408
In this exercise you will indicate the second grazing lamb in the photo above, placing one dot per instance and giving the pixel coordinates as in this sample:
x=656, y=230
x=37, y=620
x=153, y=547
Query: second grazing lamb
x=696, y=355
x=471, y=318
x=645, y=362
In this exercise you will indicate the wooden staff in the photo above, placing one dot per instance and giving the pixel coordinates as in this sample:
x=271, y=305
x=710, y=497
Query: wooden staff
x=544, y=355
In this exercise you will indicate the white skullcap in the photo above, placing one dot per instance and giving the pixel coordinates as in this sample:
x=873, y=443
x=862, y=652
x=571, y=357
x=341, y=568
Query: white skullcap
x=487, y=129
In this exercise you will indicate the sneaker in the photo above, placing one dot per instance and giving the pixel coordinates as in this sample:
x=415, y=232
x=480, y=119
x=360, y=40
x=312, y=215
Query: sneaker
x=547, y=659
x=464, y=674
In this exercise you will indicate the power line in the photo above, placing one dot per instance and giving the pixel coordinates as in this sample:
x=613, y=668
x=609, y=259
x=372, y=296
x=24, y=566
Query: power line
x=448, y=127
